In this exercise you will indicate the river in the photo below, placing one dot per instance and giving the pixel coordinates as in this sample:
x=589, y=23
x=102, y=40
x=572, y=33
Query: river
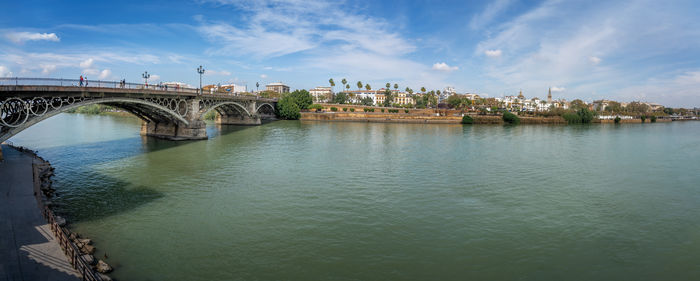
x=293, y=200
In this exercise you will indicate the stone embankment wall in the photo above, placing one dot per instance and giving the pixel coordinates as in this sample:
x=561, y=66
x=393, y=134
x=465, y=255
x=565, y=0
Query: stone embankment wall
x=418, y=118
x=78, y=250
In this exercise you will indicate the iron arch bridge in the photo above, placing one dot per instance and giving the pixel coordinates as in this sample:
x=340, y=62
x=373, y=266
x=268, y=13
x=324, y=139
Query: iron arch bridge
x=168, y=112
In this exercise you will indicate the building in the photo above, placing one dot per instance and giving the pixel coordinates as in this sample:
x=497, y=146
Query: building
x=277, y=87
x=228, y=89
x=549, y=96
x=446, y=93
x=321, y=94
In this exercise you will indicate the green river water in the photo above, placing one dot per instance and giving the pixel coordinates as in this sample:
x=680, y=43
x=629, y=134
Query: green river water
x=293, y=200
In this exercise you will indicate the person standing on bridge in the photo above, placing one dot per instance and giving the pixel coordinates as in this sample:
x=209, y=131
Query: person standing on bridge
x=81, y=80
x=86, y=81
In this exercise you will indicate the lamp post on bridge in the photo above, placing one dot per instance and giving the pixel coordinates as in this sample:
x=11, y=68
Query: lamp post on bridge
x=200, y=70
x=145, y=76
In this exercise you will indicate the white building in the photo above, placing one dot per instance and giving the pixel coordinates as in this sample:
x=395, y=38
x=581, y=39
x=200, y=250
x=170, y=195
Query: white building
x=321, y=94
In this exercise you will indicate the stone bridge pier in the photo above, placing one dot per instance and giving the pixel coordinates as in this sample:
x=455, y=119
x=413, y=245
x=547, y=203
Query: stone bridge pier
x=246, y=112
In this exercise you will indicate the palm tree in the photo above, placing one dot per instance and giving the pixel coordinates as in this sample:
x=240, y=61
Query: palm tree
x=422, y=89
x=388, y=86
x=396, y=86
x=331, y=82
x=368, y=87
x=359, y=85
x=344, y=82
x=347, y=87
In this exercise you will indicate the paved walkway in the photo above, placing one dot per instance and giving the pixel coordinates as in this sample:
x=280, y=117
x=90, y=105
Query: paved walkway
x=28, y=250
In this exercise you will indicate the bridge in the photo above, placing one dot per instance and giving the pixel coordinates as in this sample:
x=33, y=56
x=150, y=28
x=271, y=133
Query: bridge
x=168, y=112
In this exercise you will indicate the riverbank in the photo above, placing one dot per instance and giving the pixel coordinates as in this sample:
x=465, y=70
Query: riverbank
x=41, y=248
x=422, y=118
x=380, y=117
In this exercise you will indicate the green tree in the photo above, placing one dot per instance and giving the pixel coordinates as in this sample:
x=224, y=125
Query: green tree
x=367, y=101
x=340, y=98
x=637, y=107
x=422, y=90
x=388, y=86
x=454, y=101
x=359, y=85
x=302, y=98
x=347, y=87
x=388, y=98
x=368, y=87
x=396, y=86
x=668, y=110
x=577, y=104
x=330, y=81
x=344, y=82
x=614, y=107
x=288, y=109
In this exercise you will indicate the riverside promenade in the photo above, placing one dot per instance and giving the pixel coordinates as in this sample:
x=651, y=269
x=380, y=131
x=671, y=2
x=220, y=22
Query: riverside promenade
x=28, y=250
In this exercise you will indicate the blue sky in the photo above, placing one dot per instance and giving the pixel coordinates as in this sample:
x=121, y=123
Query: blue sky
x=622, y=50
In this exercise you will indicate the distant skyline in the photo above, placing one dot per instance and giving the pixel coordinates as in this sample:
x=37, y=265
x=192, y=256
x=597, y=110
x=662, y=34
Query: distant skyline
x=621, y=50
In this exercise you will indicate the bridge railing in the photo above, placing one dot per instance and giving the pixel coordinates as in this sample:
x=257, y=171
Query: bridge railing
x=21, y=81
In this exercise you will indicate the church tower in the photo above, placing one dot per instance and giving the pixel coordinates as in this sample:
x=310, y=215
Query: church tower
x=549, y=96
x=520, y=96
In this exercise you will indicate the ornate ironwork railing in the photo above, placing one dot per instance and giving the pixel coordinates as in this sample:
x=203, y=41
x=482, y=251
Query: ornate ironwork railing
x=22, y=81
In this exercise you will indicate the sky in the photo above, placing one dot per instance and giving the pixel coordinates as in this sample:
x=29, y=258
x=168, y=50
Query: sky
x=636, y=50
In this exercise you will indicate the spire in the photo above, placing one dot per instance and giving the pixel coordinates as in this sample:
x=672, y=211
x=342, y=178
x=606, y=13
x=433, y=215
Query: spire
x=549, y=96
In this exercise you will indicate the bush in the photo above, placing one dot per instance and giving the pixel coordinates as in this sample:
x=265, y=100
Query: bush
x=644, y=118
x=466, y=119
x=586, y=115
x=371, y=110
x=405, y=110
x=316, y=107
x=352, y=110
x=511, y=118
x=653, y=119
x=345, y=109
x=334, y=109
x=571, y=117
x=617, y=120
x=366, y=109
x=288, y=109
x=382, y=109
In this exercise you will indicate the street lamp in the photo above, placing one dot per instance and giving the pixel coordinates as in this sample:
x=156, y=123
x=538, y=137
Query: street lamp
x=257, y=86
x=145, y=76
x=200, y=70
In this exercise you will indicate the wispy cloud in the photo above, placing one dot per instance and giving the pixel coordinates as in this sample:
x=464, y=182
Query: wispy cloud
x=5, y=72
x=21, y=37
x=487, y=16
x=556, y=43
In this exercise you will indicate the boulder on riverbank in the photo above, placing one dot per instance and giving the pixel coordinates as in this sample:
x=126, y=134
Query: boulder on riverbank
x=87, y=249
x=60, y=221
x=103, y=267
x=90, y=259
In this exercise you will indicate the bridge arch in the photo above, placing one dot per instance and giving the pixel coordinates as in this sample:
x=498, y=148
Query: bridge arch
x=228, y=104
x=265, y=104
x=17, y=114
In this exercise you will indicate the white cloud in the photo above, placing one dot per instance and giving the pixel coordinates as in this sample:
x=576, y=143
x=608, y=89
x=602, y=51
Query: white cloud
x=441, y=66
x=571, y=52
x=5, y=72
x=493, y=53
x=87, y=63
x=105, y=74
x=276, y=28
x=21, y=37
x=47, y=68
x=154, y=78
x=558, y=89
x=263, y=76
